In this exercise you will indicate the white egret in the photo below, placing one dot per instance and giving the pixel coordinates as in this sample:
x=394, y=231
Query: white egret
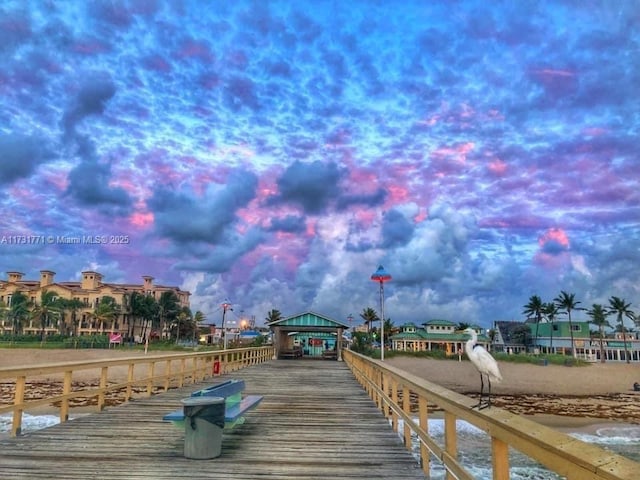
x=484, y=363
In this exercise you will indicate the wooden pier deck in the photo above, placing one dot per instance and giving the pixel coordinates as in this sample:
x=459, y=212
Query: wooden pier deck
x=315, y=422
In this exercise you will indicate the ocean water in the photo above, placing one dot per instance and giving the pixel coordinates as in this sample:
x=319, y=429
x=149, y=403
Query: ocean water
x=474, y=449
x=30, y=423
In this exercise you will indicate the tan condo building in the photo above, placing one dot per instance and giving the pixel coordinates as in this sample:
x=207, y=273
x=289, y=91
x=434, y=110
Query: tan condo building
x=88, y=292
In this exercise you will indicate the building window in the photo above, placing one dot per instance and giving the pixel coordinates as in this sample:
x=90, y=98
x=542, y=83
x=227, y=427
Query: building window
x=576, y=328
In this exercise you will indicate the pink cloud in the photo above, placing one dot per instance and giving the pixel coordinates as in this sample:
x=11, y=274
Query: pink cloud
x=421, y=216
x=554, y=235
x=366, y=217
x=497, y=167
x=141, y=219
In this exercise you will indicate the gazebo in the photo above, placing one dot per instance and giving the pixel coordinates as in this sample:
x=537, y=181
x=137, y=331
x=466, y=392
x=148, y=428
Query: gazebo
x=308, y=335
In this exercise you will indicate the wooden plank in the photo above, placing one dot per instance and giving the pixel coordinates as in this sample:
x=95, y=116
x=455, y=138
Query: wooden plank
x=295, y=432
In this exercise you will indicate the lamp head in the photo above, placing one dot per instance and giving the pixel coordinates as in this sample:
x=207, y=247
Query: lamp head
x=380, y=275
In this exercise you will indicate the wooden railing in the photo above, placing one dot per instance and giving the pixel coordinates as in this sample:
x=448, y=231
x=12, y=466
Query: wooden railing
x=145, y=373
x=394, y=390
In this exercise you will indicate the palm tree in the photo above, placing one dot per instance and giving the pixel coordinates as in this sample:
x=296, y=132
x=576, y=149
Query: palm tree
x=567, y=302
x=181, y=324
x=4, y=313
x=599, y=318
x=143, y=307
x=47, y=310
x=388, y=331
x=550, y=311
x=621, y=309
x=18, y=311
x=369, y=315
x=273, y=316
x=168, y=307
x=534, y=309
x=74, y=305
x=198, y=319
x=150, y=316
x=106, y=312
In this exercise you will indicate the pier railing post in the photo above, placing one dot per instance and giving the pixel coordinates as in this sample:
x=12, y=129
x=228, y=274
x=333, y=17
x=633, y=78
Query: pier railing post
x=450, y=440
x=103, y=389
x=66, y=390
x=423, y=421
x=500, y=459
x=406, y=408
x=18, y=399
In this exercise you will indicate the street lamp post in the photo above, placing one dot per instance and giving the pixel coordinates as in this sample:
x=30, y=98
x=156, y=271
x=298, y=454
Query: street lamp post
x=226, y=305
x=381, y=276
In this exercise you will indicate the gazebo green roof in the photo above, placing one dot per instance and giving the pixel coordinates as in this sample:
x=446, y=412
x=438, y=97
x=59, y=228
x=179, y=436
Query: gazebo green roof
x=309, y=319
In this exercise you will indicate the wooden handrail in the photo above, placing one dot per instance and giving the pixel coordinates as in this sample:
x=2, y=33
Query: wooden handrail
x=192, y=366
x=559, y=452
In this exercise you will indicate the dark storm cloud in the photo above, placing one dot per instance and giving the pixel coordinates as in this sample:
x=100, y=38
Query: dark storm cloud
x=360, y=247
x=396, y=230
x=222, y=257
x=92, y=97
x=89, y=181
x=553, y=247
x=371, y=200
x=185, y=218
x=89, y=185
x=313, y=186
x=289, y=224
x=20, y=156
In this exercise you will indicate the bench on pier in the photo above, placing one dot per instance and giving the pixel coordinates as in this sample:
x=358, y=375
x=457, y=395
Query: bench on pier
x=330, y=354
x=236, y=405
x=295, y=352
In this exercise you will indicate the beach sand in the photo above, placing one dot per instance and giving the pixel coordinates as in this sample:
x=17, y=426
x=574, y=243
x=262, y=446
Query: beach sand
x=559, y=396
x=554, y=394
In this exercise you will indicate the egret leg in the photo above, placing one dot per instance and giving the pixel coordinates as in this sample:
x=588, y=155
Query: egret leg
x=480, y=404
x=487, y=404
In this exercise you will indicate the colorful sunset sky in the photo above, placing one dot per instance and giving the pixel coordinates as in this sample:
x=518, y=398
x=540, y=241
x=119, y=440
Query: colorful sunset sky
x=274, y=153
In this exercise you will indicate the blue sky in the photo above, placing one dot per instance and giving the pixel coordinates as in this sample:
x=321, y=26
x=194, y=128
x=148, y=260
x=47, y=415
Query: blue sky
x=275, y=153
